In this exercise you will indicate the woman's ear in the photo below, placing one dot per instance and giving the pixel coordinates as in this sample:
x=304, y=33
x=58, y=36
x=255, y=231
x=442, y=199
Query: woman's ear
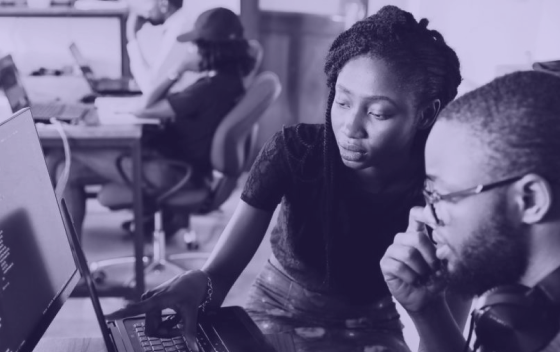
x=429, y=114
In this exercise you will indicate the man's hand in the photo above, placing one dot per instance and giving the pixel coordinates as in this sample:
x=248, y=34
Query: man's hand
x=133, y=24
x=410, y=266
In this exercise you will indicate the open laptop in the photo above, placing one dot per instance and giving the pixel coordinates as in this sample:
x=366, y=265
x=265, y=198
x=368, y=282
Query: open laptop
x=11, y=84
x=40, y=257
x=103, y=86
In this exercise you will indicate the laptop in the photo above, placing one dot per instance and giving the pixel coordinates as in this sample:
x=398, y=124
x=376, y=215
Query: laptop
x=40, y=258
x=11, y=84
x=103, y=86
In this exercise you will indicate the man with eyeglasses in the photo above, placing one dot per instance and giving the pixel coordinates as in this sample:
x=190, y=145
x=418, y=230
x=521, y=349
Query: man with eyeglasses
x=491, y=226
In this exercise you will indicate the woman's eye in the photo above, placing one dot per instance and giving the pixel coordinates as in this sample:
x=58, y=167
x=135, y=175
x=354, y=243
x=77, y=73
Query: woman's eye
x=379, y=116
x=342, y=104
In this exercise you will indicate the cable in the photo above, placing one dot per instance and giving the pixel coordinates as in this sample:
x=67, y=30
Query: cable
x=63, y=179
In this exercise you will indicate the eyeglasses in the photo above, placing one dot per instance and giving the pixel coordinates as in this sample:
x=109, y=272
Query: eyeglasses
x=432, y=197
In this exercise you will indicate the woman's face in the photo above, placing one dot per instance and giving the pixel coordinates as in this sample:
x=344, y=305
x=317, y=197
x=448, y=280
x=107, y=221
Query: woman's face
x=373, y=115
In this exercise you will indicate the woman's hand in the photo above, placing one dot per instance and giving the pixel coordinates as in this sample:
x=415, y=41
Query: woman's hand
x=410, y=266
x=183, y=293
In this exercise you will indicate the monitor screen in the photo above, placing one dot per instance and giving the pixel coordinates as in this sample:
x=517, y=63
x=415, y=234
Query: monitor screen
x=37, y=268
x=11, y=84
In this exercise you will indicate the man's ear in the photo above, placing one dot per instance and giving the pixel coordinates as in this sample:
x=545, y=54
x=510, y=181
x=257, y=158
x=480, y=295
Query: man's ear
x=534, y=198
x=429, y=114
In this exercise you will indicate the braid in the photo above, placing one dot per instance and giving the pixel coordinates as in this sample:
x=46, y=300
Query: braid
x=420, y=59
x=330, y=157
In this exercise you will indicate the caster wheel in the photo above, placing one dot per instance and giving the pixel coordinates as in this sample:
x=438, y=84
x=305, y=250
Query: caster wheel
x=99, y=277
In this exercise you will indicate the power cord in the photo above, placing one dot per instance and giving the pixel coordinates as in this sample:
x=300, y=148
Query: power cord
x=63, y=179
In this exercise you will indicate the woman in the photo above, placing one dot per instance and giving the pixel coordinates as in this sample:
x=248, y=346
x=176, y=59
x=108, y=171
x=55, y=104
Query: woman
x=220, y=53
x=346, y=187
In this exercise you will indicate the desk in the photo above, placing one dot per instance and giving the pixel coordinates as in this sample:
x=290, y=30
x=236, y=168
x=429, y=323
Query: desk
x=126, y=137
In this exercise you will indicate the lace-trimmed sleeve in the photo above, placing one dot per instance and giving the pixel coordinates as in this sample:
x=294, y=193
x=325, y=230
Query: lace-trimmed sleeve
x=269, y=176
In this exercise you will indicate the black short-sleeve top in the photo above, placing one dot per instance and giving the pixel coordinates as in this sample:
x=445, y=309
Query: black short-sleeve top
x=289, y=170
x=199, y=109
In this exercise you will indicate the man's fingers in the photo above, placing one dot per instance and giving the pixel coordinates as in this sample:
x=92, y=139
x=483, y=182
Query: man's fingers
x=421, y=242
x=393, y=268
x=409, y=256
x=189, y=314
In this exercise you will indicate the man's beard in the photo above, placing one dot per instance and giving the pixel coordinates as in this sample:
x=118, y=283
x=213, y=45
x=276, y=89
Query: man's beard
x=495, y=255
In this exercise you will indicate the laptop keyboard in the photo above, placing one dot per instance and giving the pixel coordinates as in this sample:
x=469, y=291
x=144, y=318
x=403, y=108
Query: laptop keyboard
x=208, y=340
x=58, y=110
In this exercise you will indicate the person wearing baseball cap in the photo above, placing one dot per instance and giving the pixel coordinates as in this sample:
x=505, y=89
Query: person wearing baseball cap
x=218, y=51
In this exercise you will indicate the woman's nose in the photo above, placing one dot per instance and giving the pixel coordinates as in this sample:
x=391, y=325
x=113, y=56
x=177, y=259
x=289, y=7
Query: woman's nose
x=353, y=126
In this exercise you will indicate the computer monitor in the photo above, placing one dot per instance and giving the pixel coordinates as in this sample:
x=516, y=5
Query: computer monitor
x=10, y=83
x=37, y=268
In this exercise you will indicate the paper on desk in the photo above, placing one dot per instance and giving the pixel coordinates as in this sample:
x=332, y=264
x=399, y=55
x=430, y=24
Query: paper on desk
x=113, y=118
x=116, y=111
x=118, y=104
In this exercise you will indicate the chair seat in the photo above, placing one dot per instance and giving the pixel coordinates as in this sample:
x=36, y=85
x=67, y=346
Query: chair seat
x=118, y=196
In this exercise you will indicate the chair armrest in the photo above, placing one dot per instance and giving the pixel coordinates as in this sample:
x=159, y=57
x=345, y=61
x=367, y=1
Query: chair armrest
x=188, y=170
x=186, y=167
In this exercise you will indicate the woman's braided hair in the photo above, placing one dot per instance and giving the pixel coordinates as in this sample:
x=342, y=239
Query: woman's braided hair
x=420, y=59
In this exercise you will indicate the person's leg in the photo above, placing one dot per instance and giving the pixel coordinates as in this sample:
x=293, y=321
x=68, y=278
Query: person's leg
x=86, y=168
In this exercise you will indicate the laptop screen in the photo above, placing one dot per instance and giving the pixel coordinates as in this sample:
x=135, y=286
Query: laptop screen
x=82, y=62
x=10, y=83
x=37, y=268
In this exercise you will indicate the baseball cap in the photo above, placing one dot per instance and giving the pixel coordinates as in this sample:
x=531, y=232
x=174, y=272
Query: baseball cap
x=217, y=24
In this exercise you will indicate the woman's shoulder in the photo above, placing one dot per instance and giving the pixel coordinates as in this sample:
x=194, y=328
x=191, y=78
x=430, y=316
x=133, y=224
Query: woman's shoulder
x=300, y=146
x=303, y=139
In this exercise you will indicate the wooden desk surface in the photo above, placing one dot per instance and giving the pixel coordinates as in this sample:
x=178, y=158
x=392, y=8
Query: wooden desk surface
x=70, y=345
x=47, y=132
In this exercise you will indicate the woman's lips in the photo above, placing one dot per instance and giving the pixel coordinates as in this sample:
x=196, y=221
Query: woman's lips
x=352, y=152
x=352, y=148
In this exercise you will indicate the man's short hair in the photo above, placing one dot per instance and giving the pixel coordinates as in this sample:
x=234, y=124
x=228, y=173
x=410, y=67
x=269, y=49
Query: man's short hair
x=517, y=116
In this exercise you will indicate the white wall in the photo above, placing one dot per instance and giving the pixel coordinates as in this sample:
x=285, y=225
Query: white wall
x=319, y=7
x=491, y=37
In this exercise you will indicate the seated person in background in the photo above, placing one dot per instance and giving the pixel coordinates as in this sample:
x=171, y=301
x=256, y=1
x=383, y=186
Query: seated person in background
x=345, y=188
x=190, y=118
x=500, y=240
x=175, y=20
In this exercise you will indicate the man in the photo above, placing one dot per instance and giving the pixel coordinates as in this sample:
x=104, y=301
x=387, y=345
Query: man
x=499, y=241
x=150, y=58
x=153, y=52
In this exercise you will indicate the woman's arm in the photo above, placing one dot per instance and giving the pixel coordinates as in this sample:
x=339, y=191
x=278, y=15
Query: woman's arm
x=160, y=110
x=159, y=90
x=235, y=248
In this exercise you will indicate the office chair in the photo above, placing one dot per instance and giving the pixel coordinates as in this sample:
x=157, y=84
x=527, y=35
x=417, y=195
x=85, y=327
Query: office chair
x=256, y=51
x=233, y=145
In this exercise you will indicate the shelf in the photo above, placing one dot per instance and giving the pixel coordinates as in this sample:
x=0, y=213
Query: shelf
x=59, y=11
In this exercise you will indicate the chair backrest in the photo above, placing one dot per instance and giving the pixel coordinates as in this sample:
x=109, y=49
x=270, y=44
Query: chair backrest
x=235, y=139
x=256, y=51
